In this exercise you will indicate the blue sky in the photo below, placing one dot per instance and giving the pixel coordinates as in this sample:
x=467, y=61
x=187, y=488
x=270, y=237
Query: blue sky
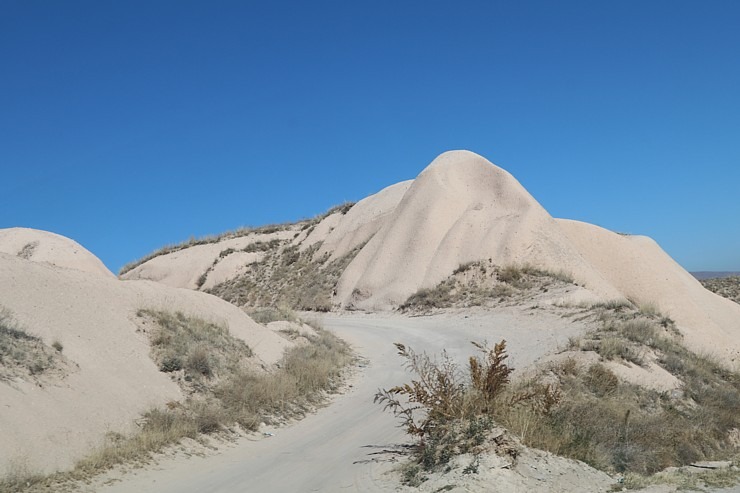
x=130, y=125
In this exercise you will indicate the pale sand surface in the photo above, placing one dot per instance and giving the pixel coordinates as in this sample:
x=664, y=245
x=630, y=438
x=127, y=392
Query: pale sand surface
x=642, y=271
x=181, y=269
x=461, y=208
x=51, y=248
x=320, y=231
x=363, y=220
x=231, y=266
x=340, y=447
x=113, y=379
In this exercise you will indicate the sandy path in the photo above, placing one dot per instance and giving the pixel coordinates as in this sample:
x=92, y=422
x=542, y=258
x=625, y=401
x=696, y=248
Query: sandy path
x=336, y=448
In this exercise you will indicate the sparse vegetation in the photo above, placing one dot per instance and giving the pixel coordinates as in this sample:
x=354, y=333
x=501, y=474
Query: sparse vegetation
x=243, y=231
x=23, y=355
x=192, y=345
x=261, y=246
x=451, y=412
x=579, y=408
x=19, y=477
x=621, y=427
x=728, y=287
x=482, y=283
x=225, y=389
x=287, y=277
x=269, y=314
x=28, y=249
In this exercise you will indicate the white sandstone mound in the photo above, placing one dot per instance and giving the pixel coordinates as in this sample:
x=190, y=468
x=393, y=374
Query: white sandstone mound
x=461, y=208
x=204, y=266
x=643, y=272
x=43, y=246
x=363, y=220
x=111, y=378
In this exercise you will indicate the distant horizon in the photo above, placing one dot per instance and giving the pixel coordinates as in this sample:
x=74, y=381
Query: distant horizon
x=129, y=126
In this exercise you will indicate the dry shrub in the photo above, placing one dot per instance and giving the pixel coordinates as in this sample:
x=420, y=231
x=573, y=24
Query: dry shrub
x=451, y=411
x=199, y=347
x=265, y=315
x=439, y=296
x=287, y=277
x=620, y=427
x=510, y=274
x=23, y=355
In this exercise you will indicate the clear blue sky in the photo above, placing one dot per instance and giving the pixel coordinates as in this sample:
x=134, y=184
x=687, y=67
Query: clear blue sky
x=129, y=125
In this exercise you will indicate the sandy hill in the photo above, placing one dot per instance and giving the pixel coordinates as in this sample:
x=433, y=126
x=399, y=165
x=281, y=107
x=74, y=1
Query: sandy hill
x=43, y=246
x=105, y=377
x=462, y=208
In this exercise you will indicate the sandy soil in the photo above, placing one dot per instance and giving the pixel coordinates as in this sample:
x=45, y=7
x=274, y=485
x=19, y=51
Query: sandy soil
x=343, y=447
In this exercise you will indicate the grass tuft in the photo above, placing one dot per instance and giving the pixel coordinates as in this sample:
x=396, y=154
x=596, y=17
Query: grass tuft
x=23, y=355
x=225, y=390
x=237, y=233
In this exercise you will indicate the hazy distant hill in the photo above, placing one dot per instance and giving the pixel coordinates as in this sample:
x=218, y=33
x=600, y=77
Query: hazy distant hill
x=708, y=274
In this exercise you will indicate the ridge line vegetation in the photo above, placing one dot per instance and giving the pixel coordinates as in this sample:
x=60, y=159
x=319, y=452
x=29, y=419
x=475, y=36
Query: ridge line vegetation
x=236, y=233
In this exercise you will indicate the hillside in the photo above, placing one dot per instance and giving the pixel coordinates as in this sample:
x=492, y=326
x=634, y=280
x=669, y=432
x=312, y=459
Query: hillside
x=79, y=365
x=413, y=235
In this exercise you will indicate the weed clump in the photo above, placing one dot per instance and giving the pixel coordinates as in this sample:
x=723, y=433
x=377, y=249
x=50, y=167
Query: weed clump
x=287, y=278
x=450, y=411
x=482, y=283
x=199, y=348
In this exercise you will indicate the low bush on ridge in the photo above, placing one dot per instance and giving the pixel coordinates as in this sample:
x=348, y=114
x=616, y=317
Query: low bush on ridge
x=243, y=231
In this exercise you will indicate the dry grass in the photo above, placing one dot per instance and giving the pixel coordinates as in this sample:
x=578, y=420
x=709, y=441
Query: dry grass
x=619, y=427
x=450, y=411
x=482, y=283
x=728, y=287
x=229, y=393
x=19, y=477
x=23, y=355
x=265, y=315
x=582, y=410
x=193, y=346
x=237, y=233
x=287, y=277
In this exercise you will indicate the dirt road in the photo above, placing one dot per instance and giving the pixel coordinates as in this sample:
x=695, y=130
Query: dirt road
x=340, y=448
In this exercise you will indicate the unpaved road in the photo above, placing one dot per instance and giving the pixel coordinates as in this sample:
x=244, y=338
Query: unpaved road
x=340, y=448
